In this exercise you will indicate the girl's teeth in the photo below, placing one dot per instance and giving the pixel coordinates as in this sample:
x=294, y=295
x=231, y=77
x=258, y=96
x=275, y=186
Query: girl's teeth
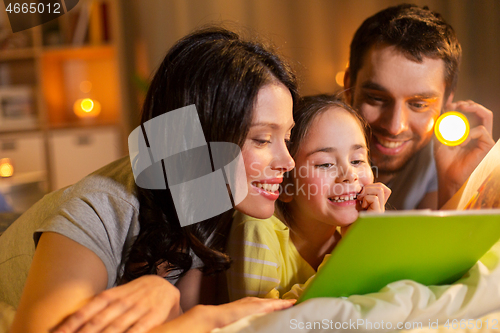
x=344, y=198
x=268, y=187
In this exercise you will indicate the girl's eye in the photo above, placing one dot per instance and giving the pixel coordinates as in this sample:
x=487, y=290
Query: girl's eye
x=261, y=143
x=324, y=165
x=357, y=162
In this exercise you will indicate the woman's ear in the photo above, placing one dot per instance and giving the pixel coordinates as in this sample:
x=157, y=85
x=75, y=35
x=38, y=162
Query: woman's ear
x=286, y=194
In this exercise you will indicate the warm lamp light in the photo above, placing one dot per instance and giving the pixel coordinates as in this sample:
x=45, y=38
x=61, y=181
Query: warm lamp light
x=87, y=108
x=452, y=128
x=6, y=168
x=339, y=78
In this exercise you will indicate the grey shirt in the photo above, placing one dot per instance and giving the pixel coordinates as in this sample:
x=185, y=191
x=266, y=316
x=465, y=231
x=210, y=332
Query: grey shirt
x=99, y=212
x=417, y=178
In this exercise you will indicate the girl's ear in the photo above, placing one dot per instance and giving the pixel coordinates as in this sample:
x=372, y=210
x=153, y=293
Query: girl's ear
x=286, y=194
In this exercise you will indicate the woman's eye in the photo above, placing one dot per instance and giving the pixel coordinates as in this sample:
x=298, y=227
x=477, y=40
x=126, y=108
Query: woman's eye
x=376, y=99
x=261, y=143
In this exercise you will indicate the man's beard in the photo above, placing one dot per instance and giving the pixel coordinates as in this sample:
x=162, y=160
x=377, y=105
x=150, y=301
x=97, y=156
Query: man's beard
x=384, y=164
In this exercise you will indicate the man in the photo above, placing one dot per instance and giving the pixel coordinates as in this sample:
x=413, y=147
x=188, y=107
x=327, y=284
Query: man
x=402, y=75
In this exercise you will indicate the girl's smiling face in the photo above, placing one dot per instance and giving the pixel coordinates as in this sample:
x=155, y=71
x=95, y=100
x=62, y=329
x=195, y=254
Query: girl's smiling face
x=265, y=151
x=331, y=169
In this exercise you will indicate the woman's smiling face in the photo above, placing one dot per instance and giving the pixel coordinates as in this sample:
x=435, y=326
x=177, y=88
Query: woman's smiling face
x=331, y=169
x=265, y=151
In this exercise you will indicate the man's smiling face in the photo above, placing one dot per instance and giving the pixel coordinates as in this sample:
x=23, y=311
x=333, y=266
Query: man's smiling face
x=401, y=99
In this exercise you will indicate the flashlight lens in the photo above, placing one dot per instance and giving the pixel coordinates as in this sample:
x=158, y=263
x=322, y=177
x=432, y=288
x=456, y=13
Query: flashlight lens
x=452, y=128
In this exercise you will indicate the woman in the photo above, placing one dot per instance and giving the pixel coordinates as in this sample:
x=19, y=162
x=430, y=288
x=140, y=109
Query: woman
x=105, y=229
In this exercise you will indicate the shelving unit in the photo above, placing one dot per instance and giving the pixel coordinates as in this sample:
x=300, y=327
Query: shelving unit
x=59, y=65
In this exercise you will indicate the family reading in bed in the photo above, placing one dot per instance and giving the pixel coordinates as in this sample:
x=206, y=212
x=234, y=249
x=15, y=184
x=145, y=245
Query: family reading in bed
x=107, y=255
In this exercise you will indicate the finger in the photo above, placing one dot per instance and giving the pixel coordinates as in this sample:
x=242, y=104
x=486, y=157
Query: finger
x=110, y=314
x=80, y=317
x=377, y=189
x=271, y=305
x=485, y=115
x=137, y=320
x=482, y=134
x=372, y=203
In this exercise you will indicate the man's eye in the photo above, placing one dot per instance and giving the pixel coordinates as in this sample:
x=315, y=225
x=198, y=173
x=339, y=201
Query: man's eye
x=419, y=105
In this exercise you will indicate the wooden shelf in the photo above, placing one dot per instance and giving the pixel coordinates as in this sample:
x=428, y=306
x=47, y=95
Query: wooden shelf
x=17, y=54
x=82, y=52
x=55, y=68
x=6, y=184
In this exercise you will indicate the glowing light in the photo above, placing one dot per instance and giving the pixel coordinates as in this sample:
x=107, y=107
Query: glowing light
x=452, y=128
x=339, y=78
x=6, y=168
x=86, y=107
x=85, y=86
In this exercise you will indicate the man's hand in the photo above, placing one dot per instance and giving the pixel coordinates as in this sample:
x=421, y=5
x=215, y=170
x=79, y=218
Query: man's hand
x=137, y=307
x=455, y=164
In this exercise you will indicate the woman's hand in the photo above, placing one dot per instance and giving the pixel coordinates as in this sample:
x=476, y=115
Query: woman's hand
x=205, y=318
x=231, y=312
x=135, y=307
x=374, y=196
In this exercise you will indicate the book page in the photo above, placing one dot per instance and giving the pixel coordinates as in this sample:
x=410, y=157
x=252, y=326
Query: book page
x=484, y=181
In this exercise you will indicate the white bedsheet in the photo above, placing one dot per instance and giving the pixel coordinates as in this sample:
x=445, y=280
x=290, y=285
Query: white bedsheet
x=473, y=296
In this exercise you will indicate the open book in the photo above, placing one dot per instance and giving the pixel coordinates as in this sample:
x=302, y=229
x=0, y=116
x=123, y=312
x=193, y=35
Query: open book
x=429, y=247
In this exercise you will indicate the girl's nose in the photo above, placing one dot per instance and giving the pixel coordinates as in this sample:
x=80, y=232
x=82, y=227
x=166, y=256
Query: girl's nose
x=347, y=175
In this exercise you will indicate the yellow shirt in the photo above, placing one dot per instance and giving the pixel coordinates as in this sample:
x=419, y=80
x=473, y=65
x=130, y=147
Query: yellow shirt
x=265, y=261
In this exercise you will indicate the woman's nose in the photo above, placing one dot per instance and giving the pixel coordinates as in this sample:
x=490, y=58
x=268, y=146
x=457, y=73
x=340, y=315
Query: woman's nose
x=282, y=160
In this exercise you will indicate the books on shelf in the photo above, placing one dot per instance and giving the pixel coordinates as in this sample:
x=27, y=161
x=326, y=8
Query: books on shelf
x=17, y=111
x=91, y=24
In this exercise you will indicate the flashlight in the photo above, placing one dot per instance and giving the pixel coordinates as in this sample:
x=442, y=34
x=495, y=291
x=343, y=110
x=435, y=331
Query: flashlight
x=452, y=128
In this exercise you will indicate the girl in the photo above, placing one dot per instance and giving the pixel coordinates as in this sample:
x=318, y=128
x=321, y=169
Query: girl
x=331, y=183
x=105, y=229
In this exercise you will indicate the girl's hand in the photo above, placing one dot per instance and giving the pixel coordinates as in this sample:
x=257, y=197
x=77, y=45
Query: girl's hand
x=136, y=307
x=374, y=196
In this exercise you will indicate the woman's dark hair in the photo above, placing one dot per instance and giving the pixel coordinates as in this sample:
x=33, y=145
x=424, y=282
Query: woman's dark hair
x=221, y=74
x=415, y=31
x=304, y=113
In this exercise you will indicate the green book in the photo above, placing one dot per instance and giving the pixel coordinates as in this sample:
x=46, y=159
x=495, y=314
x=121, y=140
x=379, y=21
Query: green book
x=429, y=247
